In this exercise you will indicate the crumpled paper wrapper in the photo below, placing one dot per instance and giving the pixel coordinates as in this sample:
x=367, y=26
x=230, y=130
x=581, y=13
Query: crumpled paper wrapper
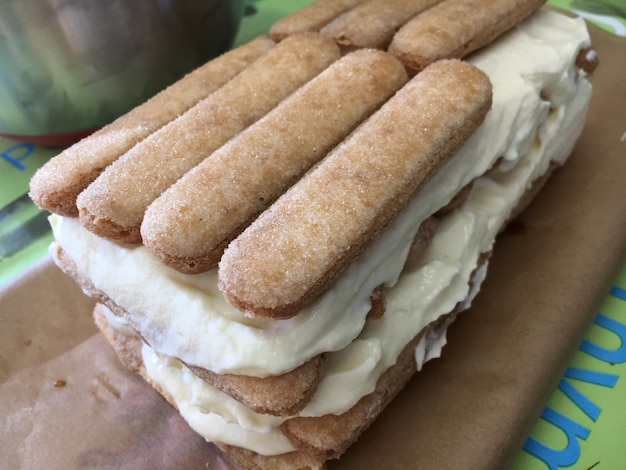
x=66, y=402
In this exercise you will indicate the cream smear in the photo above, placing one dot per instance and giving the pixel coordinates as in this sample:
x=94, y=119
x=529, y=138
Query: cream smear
x=539, y=107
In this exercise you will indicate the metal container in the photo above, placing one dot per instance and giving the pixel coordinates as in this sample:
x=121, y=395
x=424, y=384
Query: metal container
x=68, y=67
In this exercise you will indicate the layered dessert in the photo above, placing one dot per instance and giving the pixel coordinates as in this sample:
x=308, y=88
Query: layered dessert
x=281, y=338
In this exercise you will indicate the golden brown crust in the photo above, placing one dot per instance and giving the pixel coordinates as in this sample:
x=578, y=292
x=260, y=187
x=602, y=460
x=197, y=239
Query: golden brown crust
x=298, y=247
x=312, y=17
x=373, y=23
x=113, y=205
x=454, y=28
x=56, y=185
x=189, y=226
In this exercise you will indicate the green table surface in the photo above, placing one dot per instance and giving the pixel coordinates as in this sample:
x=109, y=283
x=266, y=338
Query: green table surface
x=582, y=425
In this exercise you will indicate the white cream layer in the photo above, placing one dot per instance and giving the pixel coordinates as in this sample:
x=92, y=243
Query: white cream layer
x=539, y=109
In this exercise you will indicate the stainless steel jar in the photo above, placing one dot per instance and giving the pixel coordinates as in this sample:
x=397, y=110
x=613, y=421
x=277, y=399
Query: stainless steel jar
x=70, y=66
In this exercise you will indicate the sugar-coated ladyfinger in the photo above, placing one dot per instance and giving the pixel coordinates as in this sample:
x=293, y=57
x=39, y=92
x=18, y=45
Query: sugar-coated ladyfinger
x=455, y=28
x=373, y=23
x=190, y=224
x=57, y=184
x=113, y=205
x=297, y=248
x=312, y=17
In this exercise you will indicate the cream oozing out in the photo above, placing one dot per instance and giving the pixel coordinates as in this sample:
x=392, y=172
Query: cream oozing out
x=539, y=107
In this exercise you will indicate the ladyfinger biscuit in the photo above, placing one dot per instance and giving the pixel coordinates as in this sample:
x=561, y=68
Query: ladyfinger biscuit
x=297, y=248
x=113, y=205
x=211, y=204
x=57, y=184
x=312, y=17
x=454, y=28
x=373, y=23
x=278, y=395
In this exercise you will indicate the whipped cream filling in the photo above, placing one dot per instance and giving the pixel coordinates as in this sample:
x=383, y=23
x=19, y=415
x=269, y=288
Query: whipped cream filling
x=539, y=108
